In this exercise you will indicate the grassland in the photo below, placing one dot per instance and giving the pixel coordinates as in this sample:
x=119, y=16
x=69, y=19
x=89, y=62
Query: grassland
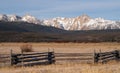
x=111, y=67
x=66, y=68
x=62, y=47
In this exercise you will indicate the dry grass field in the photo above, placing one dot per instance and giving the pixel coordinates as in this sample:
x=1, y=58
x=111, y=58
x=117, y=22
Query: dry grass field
x=111, y=67
x=61, y=47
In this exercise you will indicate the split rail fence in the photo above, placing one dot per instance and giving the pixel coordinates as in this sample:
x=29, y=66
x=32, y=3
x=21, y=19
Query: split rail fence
x=107, y=56
x=37, y=58
x=74, y=57
x=27, y=59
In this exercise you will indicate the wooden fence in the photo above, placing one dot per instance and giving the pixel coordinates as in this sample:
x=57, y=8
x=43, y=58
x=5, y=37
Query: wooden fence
x=5, y=60
x=33, y=58
x=27, y=59
x=37, y=58
x=77, y=57
x=107, y=56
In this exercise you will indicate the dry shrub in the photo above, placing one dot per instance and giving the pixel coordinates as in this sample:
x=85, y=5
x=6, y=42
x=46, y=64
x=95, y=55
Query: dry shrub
x=26, y=48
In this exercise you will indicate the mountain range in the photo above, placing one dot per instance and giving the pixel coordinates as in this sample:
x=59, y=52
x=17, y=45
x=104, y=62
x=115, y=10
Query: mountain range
x=83, y=22
x=14, y=28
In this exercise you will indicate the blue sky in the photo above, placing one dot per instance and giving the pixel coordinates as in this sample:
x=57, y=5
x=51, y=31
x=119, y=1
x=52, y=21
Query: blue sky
x=42, y=9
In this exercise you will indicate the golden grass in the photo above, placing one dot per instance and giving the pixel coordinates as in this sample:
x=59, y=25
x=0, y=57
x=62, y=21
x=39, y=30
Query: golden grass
x=62, y=47
x=112, y=67
x=66, y=68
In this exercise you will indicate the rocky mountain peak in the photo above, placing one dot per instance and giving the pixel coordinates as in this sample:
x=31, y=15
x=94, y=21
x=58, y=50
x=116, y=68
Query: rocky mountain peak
x=83, y=22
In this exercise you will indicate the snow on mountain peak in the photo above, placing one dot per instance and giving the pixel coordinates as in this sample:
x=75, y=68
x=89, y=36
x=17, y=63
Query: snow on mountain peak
x=13, y=18
x=3, y=17
x=30, y=19
x=26, y=18
x=67, y=23
x=100, y=24
x=83, y=22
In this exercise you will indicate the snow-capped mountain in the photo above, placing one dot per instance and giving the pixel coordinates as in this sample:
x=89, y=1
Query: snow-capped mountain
x=68, y=23
x=10, y=18
x=100, y=24
x=30, y=19
x=14, y=18
x=83, y=22
x=3, y=17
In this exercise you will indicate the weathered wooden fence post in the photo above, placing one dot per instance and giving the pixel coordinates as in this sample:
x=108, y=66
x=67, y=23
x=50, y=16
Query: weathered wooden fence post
x=95, y=57
x=14, y=59
x=100, y=50
x=11, y=60
x=53, y=57
x=117, y=55
x=22, y=56
x=50, y=57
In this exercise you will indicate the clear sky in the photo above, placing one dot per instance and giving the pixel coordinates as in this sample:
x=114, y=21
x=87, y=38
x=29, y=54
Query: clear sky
x=42, y=9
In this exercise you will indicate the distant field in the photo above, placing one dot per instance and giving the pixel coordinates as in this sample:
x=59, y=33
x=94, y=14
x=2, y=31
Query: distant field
x=59, y=35
x=72, y=67
x=62, y=47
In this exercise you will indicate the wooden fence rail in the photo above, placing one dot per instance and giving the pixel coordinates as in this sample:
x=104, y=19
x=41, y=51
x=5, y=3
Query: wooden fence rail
x=107, y=56
x=5, y=60
x=36, y=58
x=86, y=57
x=33, y=58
